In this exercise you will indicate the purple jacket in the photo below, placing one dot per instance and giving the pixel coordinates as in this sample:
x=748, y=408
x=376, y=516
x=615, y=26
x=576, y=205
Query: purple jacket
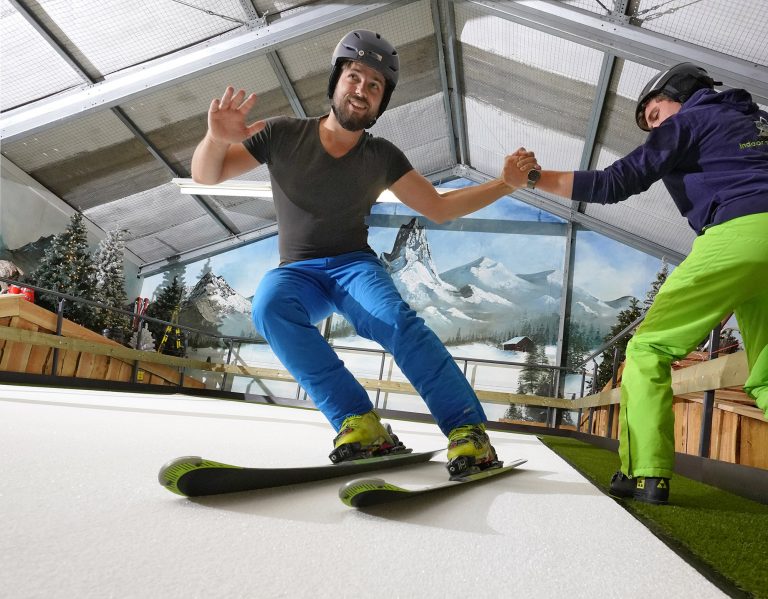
x=712, y=157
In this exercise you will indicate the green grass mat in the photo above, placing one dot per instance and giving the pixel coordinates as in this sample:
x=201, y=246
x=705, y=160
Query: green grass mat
x=723, y=535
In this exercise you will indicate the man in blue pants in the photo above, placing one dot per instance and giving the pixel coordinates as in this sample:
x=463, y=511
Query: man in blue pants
x=326, y=175
x=711, y=151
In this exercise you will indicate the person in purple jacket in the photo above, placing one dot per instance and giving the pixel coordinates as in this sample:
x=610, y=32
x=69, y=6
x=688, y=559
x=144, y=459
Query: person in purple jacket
x=710, y=150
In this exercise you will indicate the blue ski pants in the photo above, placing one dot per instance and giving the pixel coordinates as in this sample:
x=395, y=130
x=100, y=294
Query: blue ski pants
x=293, y=298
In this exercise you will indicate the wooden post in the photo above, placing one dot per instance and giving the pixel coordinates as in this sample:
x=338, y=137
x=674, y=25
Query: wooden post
x=614, y=381
x=709, y=398
x=59, y=322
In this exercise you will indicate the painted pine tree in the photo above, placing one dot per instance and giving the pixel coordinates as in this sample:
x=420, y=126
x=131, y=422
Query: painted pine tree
x=529, y=375
x=142, y=339
x=110, y=283
x=532, y=381
x=514, y=412
x=624, y=319
x=661, y=276
x=67, y=267
x=168, y=300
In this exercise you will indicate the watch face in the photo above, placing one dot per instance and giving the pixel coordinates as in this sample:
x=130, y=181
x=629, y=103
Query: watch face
x=533, y=178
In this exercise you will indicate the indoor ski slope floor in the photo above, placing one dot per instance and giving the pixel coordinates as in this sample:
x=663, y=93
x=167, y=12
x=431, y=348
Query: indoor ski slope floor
x=82, y=514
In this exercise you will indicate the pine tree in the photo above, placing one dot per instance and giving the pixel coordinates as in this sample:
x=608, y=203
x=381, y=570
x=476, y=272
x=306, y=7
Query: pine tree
x=176, y=273
x=514, y=412
x=529, y=375
x=545, y=385
x=728, y=342
x=142, y=339
x=529, y=383
x=661, y=276
x=578, y=344
x=624, y=319
x=67, y=267
x=110, y=282
x=167, y=302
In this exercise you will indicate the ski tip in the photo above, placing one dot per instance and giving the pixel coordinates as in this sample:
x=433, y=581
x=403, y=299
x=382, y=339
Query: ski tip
x=170, y=474
x=352, y=490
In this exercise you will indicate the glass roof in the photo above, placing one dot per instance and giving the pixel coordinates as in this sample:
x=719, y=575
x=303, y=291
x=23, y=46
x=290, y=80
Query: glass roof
x=102, y=104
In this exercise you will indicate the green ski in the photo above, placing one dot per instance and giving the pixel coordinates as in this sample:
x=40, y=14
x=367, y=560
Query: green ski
x=193, y=476
x=365, y=492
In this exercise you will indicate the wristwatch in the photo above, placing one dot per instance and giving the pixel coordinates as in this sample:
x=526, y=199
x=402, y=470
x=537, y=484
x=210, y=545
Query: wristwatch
x=533, y=178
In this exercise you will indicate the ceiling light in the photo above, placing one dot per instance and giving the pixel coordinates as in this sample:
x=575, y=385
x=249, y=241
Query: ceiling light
x=253, y=189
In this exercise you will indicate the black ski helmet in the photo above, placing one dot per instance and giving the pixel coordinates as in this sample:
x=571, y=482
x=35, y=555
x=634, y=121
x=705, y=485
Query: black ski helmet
x=678, y=82
x=372, y=50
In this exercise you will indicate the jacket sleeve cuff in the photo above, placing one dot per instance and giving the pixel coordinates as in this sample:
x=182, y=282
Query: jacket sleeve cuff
x=583, y=184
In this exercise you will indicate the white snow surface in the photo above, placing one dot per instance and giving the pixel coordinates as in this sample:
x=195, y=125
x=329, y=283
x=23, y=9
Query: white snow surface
x=84, y=515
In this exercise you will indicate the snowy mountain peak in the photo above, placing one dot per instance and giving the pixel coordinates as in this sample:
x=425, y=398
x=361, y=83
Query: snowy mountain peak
x=213, y=299
x=211, y=285
x=410, y=247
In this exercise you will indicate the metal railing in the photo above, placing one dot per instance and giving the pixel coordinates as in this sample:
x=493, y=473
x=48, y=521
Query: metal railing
x=234, y=344
x=227, y=341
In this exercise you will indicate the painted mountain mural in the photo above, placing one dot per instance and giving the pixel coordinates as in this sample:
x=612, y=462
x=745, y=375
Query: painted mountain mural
x=213, y=306
x=28, y=256
x=481, y=299
x=485, y=297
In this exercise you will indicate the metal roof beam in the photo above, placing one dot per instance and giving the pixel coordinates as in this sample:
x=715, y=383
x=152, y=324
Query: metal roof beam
x=614, y=34
x=209, y=206
x=274, y=61
x=285, y=84
x=51, y=40
x=453, y=82
x=445, y=41
x=46, y=34
x=183, y=65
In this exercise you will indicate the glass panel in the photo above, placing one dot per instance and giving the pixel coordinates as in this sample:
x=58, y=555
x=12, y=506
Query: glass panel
x=525, y=88
x=25, y=56
x=733, y=28
x=489, y=295
x=607, y=277
x=88, y=29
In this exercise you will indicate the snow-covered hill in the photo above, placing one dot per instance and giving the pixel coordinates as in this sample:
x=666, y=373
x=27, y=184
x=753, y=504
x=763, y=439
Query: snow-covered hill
x=484, y=295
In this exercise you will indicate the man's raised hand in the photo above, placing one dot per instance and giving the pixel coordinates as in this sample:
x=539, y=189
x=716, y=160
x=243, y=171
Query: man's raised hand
x=226, y=117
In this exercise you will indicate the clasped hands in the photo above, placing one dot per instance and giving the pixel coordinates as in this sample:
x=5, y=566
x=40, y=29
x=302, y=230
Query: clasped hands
x=516, y=167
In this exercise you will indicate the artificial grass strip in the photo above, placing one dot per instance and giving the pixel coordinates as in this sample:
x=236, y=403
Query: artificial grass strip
x=715, y=530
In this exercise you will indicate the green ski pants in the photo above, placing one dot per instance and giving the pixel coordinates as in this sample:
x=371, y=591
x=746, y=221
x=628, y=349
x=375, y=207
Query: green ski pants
x=727, y=270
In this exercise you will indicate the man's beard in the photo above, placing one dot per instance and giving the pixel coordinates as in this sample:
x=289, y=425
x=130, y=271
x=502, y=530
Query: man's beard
x=349, y=120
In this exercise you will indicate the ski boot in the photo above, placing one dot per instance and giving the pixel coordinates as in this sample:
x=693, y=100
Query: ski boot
x=642, y=488
x=364, y=437
x=470, y=451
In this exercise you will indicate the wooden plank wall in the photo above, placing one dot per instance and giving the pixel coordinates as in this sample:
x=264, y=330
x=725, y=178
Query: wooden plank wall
x=739, y=432
x=15, y=356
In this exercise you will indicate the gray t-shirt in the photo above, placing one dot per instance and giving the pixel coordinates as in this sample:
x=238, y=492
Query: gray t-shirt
x=321, y=201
